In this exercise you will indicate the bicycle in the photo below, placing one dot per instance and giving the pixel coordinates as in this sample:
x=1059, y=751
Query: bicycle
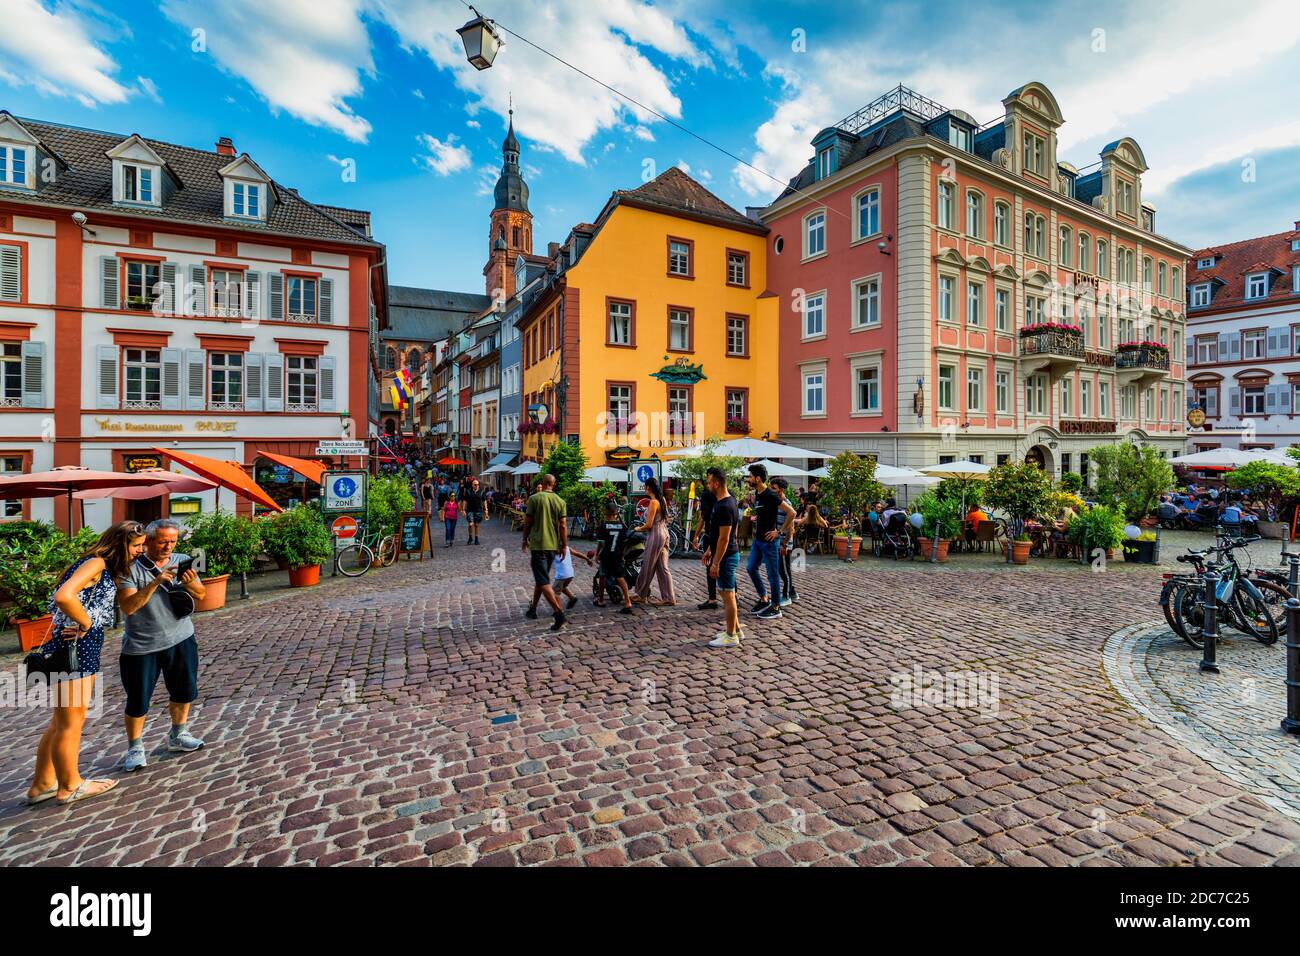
x=365, y=551
x=1239, y=597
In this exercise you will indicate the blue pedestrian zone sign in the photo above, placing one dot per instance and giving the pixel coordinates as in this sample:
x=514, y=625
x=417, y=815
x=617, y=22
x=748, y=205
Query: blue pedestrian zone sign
x=344, y=491
x=641, y=470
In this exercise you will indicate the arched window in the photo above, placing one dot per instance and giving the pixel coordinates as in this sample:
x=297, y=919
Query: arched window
x=1085, y=252
x=1040, y=237
x=390, y=359
x=1146, y=273
x=1163, y=274
x=1001, y=219
x=1103, y=259
x=974, y=214
x=1065, y=247
x=1029, y=233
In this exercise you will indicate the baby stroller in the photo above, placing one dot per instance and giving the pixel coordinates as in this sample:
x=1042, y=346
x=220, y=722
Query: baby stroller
x=893, y=538
x=633, y=551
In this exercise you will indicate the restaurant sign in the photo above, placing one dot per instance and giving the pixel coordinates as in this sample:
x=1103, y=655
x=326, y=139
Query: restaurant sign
x=133, y=463
x=113, y=425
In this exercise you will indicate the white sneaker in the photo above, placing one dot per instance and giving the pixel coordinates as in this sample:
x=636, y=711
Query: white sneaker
x=725, y=640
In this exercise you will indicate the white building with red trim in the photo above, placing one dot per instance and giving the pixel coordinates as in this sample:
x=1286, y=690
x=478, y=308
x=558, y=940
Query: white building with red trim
x=154, y=295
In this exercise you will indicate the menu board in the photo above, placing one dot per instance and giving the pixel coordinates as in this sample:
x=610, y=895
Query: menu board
x=413, y=535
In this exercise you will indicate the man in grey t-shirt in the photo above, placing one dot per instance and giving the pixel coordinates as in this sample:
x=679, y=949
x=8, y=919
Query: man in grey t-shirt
x=158, y=641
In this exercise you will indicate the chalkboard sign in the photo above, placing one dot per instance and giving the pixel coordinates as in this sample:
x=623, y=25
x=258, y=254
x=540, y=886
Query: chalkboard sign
x=413, y=537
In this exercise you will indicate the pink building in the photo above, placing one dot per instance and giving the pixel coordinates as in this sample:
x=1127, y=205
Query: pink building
x=954, y=291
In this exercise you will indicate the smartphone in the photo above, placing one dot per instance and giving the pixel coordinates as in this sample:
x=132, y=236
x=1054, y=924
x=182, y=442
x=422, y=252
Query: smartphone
x=183, y=566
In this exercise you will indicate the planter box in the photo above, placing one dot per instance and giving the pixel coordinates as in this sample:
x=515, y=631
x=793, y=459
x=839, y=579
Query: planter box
x=304, y=577
x=1020, y=552
x=1274, y=530
x=214, y=594
x=844, y=546
x=1140, y=552
x=927, y=546
x=32, y=633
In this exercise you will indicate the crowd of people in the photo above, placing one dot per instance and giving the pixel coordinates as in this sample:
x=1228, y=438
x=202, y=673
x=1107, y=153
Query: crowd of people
x=1201, y=507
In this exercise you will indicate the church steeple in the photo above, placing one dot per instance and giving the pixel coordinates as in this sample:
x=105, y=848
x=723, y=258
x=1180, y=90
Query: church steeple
x=511, y=232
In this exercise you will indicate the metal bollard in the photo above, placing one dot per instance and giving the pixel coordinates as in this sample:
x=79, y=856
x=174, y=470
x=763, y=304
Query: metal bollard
x=243, y=586
x=1209, y=622
x=1293, y=576
x=1291, y=722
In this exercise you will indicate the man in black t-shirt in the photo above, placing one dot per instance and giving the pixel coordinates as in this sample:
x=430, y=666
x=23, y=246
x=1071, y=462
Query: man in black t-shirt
x=471, y=503
x=703, y=536
x=722, y=556
x=765, y=549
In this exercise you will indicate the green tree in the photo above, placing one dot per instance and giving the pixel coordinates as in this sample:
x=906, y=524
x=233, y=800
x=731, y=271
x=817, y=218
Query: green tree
x=1267, y=478
x=1130, y=478
x=389, y=498
x=694, y=468
x=1023, y=491
x=851, y=484
x=567, y=463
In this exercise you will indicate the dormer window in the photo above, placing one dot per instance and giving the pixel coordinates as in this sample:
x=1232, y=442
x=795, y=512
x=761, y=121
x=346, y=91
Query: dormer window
x=1206, y=263
x=825, y=165
x=13, y=165
x=1034, y=154
x=137, y=183
x=1200, y=295
x=959, y=136
x=246, y=200
x=1295, y=245
x=1257, y=285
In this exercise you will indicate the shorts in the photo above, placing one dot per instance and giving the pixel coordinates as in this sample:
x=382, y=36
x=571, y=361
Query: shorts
x=179, y=666
x=727, y=571
x=541, y=562
x=561, y=583
x=474, y=517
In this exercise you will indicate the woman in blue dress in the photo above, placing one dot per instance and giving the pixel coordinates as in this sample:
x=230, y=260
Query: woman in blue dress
x=83, y=609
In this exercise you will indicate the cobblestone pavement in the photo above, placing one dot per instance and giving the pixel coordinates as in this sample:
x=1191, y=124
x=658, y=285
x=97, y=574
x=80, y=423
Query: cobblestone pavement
x=415, y=717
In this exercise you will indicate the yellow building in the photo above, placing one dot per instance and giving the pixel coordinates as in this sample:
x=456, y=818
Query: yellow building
x=651, y=329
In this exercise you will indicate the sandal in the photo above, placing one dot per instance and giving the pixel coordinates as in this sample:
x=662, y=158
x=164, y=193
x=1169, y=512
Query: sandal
x=49, y=794
x=81, y=793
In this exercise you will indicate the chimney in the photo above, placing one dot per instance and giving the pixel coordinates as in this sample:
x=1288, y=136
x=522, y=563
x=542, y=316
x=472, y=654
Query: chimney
x=1297, y=225
x=552, y=249
x=225, y=146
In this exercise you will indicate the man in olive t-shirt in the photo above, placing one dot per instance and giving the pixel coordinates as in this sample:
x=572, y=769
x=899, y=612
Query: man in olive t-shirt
x=545, y=533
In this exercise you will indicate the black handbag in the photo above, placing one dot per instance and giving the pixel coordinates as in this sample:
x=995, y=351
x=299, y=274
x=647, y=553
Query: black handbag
x=62, y=661
x=181, y=601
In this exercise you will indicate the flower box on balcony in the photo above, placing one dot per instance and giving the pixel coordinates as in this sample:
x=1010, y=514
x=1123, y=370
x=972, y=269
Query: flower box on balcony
x=1136, y=346
x=1040, y=327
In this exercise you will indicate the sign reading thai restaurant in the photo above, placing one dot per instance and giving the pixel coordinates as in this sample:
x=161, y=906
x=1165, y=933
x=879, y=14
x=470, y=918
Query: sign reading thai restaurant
x=114, y=425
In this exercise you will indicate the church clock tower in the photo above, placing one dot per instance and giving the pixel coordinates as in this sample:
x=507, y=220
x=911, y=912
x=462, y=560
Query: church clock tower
x=511, y=232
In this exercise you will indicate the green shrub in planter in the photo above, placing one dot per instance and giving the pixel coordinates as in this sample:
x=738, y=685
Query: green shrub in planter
x=230, y=543
x=390, y=498
x=942, y=515
x=297, y=537
x=30, y=569
x=1097, y=527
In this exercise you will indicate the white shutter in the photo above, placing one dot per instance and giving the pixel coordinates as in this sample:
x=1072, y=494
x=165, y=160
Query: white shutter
x=275, y=296
x=1270, y=400
x=274, y=397
x=171, y=379
x=198, y=291
x=253, y=382
x=1191, y=350
x=328, y=366
x=1212, y=403
x=106, y=373
x=252, y=295
x=11, y=273
x=196, y=370
x=1278, y=341
x=108, y=283
x=326, y=301
x=1234, y=347
x=33, y=359
x=168, y=273
x=1234, y=401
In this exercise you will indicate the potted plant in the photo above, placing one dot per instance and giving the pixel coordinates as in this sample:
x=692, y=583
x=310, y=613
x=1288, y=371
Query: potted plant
x=941, y=517
x=298, y=538
x=1131, y=479
x=849, y=488
x=1024, y=492
x=30, y=568
x=1267, y=480
x=1142, y=549
x=847, y=545
x=228, y=544
x=1097, y=527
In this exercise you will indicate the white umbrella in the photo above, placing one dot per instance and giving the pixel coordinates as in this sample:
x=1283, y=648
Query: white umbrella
x=751, y=448
x=599, y=473
x=495, y=470
x=527, y=468
x=967, y=470
x=1217, y=458
x=822, y=472
x=893, y=475
x=777, y=470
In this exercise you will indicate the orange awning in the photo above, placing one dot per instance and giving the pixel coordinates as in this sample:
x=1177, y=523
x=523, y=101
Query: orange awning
x=228, y=474
x=311, y=470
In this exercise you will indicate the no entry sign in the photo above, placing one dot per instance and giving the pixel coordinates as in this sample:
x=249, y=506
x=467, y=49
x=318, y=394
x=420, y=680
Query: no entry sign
x=344, y=527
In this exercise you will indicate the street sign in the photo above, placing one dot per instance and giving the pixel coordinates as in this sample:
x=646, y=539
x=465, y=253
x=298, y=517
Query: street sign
x=344, y=491
x=344, y=527
x=336, y=449
x=639, y=470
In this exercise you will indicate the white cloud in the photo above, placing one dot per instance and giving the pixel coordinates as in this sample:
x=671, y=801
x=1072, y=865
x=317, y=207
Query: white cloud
x=487, y=180
x=418, y=93
x=472, y=124
x=684, y=166
x=443, y=158
x=54, y=52
x=641, y=132
x=304, y=57
x=150, y=88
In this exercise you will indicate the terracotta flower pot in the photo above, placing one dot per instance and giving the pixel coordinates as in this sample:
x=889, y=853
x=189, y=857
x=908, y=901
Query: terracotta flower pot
x=1020, y=552
x=32, y=633
x=305, y=577
x=215, y=594
x=927, y=548
x=841, y=547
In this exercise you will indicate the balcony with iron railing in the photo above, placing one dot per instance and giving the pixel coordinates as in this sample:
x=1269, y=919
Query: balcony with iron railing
x=1054, y=349
x=1141, y=363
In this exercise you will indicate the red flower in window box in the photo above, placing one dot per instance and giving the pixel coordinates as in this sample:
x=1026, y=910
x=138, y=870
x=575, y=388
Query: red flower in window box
x=1040, y=327
x=738, y=426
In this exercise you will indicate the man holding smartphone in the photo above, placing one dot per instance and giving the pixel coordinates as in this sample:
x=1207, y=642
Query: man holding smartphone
x=159, y=639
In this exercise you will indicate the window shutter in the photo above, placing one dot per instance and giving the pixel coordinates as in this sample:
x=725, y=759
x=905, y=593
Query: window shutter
x=196, y=369
x=326, y=300
x=168, y=273
x=1234, y=345
x=33, y=358
x=171, y=379
x=274, y=397
x=1270, y=399
x=1191, y=351
x=275, y=296
x=1212, y=403
x=11, y=273
x=328, y=401
x=108, y=283
x=252, y=295
x=106, y=360
x=198, y=291
x=253, y=382
x=1234, y=401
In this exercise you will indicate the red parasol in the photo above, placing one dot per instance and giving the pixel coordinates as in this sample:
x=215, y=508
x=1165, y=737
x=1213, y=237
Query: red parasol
x=228, y=474
x=66, y=480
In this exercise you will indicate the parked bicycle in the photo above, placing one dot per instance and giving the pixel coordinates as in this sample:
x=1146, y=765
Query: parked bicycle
x=1253, y=603
x=365, y=551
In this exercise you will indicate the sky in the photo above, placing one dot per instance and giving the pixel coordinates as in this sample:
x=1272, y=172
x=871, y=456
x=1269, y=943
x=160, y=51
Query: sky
x=371, y=104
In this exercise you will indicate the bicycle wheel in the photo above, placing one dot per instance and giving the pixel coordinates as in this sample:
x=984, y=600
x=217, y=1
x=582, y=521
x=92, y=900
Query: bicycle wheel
x=386, y=551
x=674, y=541
x=1169, y=605
x=1187, y=610
x=1274, y=605
x=355, y=560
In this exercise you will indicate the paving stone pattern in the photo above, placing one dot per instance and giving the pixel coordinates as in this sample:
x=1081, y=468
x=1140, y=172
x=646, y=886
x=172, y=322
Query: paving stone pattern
x=414, y=717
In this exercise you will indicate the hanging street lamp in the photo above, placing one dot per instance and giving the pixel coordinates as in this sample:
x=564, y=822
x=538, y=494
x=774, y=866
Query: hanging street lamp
x=481, y=41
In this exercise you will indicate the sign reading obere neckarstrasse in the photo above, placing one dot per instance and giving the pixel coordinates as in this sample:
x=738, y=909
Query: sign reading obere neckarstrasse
x=341, y=448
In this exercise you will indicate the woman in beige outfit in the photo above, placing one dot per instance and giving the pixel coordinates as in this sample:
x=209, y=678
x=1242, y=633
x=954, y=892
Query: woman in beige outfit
x=654, y=564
